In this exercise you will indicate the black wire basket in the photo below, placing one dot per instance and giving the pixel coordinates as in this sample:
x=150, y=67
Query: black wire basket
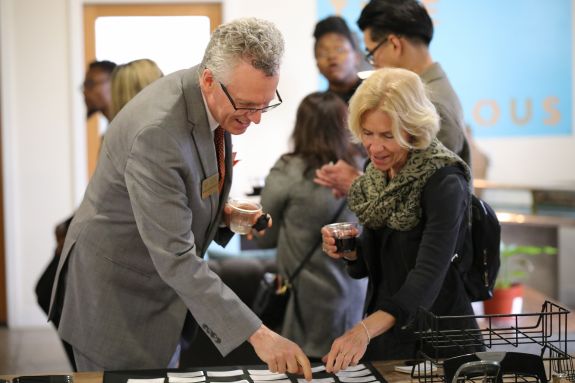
x=501, y=338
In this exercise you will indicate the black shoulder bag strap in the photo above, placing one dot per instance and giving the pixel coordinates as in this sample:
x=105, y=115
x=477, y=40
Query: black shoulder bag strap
x=296, y=272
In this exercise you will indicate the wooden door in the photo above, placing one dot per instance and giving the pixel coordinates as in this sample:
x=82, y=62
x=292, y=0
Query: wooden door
x=92, y=11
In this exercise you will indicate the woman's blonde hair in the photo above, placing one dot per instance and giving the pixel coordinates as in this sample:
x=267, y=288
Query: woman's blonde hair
x=402, y=95
x=129, y=79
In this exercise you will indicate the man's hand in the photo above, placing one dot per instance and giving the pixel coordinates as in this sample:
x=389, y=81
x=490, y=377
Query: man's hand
x=280, y=354
x=261, y=232
x=227, y=216
x=338, y=177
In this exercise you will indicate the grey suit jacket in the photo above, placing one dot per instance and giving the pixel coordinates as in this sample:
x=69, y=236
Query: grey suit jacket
x=452, y=127
x=131, y=266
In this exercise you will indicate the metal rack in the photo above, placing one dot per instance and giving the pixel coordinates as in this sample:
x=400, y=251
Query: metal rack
x=501, y=337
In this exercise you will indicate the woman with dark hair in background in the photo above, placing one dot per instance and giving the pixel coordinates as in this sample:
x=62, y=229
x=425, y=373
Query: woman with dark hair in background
x=325, y=301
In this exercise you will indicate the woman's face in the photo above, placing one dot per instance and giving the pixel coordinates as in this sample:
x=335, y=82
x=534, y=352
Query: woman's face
x=382, y=148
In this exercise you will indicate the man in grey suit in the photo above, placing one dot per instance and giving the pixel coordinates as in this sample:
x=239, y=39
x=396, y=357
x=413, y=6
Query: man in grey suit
x=132, y=266
x=397, y=33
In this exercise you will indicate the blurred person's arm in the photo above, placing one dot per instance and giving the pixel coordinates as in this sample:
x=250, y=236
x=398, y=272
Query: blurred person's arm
x=338, y=177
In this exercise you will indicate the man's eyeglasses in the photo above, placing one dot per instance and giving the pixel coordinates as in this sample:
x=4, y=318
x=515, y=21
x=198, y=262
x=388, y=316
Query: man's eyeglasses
x=251, y=110
x=370, y=53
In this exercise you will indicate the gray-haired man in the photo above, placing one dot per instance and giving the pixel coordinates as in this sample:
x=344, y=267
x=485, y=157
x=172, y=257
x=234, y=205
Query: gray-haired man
x=131, y=266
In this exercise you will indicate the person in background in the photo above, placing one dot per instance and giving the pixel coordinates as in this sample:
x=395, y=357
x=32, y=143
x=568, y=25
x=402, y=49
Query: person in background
x=129, y=79
x=96, y=88
x=412, y=201
x=337, y=56
x=325, y=301
x=132, y=265
x=397, y=33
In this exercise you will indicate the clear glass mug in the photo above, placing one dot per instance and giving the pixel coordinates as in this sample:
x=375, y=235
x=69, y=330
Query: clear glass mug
x=345, y=234
x=244, y=215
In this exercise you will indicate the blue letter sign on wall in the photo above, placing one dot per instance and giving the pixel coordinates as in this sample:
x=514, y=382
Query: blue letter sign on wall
x=509, y=61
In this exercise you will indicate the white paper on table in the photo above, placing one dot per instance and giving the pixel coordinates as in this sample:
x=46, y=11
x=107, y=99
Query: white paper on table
x=260, y=372
x=190, y=374
x=355, y=368
x=273, y=381
x=319, y=368
x=235, y=381
x=361, y=379
x=183, y=379
x=322, y=380
x=152, y=380
x=269, y=377
x=353, y=374
x=421, y=368
x=222, y=374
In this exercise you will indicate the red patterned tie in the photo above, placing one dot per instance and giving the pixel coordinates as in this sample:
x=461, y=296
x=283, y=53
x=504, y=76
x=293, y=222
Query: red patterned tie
x=219, y=143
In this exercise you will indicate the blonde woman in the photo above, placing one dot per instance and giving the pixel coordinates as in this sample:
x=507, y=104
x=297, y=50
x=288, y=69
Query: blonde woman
x=413, y=201
x=129, y=79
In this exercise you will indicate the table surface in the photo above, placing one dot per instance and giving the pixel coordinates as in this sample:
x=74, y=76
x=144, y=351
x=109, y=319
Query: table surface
x=533, y=301
x=386, y=369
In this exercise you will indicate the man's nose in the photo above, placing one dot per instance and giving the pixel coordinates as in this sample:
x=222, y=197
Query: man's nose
x=255, y=117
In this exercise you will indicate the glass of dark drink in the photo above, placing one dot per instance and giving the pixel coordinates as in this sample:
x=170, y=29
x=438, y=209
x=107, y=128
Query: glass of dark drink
x=345, y=234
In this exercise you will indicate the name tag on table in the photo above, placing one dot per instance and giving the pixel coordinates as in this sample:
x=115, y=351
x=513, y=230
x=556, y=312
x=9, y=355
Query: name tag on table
x=210, y=186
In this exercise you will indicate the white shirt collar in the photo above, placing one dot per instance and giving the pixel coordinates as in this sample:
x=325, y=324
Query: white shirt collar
x=211, y=120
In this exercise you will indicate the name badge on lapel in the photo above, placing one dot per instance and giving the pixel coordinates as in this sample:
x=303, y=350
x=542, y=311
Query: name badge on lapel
x=210, y=186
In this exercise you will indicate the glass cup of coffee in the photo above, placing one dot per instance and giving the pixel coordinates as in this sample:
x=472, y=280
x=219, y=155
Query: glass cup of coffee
x=244, y=215
x=345, y=234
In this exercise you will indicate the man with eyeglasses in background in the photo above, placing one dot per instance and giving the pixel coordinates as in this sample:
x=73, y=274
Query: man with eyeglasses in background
x=397, y=33
x=132, y=266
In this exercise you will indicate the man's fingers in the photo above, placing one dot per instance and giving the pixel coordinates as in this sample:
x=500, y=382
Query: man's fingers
x=273, y=364
x=282, y=366
x=292, y=365
x=303, y=361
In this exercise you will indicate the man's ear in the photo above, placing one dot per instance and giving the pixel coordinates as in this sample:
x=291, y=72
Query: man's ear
x=396, y=41
x=207, y=80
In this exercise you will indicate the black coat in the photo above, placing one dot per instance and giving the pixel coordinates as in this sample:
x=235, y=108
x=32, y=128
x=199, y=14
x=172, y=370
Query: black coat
x=412, y=269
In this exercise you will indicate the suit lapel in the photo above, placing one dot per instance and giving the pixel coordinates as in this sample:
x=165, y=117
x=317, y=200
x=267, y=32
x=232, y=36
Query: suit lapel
x=203, y=139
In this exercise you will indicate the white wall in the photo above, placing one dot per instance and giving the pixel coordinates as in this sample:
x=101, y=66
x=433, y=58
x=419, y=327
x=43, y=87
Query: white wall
x=36, y=92
x=43, y=127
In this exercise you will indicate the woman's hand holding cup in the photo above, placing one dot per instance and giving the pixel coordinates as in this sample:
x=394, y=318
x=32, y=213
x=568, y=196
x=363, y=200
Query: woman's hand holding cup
x=339, y=240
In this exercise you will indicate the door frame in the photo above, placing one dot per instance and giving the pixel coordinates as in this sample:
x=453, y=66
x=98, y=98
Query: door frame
x=92, y=11
x=3, y=291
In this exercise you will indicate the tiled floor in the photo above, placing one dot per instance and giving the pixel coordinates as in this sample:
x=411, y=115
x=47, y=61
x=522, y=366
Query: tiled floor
x=36, y=350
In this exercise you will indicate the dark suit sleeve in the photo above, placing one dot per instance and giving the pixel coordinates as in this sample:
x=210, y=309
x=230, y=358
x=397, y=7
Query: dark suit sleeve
x=444, y=201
